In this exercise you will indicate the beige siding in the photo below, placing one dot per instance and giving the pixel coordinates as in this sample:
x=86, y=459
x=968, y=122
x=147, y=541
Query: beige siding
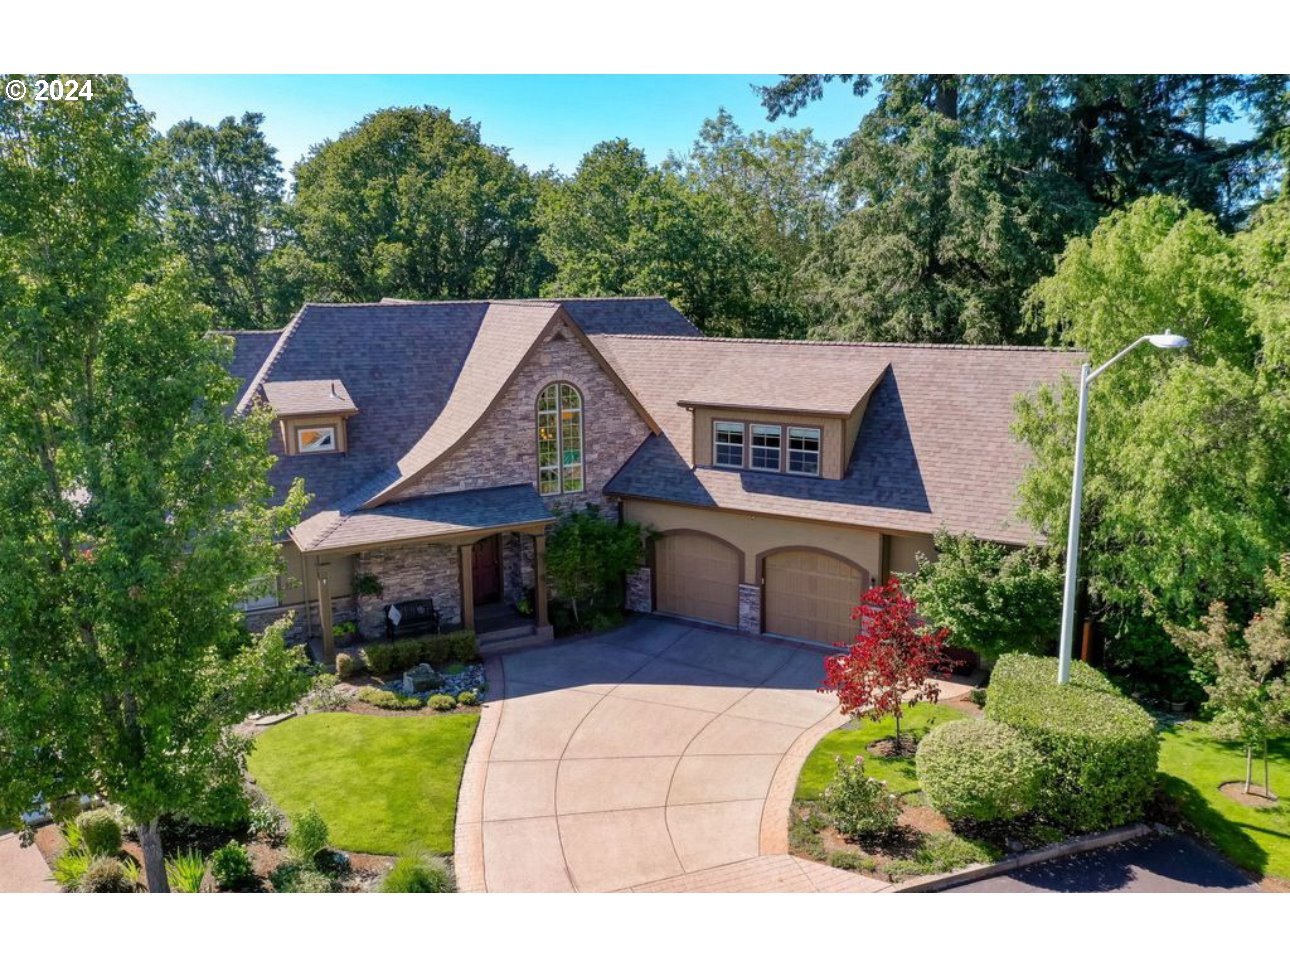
x=851, y=429
x=831, y=435
x=905, y=547
x=299, y=579
x=755, y=535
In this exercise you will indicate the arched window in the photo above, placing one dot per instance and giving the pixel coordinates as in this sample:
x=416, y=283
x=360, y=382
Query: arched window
x=559, y=440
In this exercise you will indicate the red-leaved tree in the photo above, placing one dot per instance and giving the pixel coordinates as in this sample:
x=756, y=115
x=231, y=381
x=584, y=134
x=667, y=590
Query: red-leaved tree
x=891, y=660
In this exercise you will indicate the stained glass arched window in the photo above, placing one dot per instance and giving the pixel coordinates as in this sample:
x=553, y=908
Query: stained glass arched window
x=559, y=440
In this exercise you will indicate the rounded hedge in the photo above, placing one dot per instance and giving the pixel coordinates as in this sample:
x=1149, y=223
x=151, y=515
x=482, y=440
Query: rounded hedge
x=100, y=831
x=1099, y=748
x=974, y=769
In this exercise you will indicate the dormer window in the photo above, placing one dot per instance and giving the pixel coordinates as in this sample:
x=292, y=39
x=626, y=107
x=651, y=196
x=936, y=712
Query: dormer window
x=728, y=444
x=804, y=451
x=313, y=414
x=316, y=439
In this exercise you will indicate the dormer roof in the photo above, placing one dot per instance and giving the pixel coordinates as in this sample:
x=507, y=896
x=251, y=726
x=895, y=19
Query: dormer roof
x=309, y=397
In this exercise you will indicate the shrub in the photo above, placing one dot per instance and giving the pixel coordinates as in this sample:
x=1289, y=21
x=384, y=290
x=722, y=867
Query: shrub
x=185, y=872
x=454, y=646
x=468, y=697
x=442, y=703
x=267, y=823
x=100, y=832
x=347, y=666
x=977, y=697
x=384, y=698
x=231, y=866
x=308, y=835
x=855, y=862
x=367, y=585
x=107, y=874
x=1098, y=748
x=414, y=874
x=70, y=868
x=974, y=769
x=859, y=805
x=587, y=557
x=941, y=853
x=294, y=876
x=345, y=628
x=805, y=838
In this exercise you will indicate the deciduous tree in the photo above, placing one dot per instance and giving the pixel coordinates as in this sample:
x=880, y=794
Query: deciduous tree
x=136, y=510
x=891, y=661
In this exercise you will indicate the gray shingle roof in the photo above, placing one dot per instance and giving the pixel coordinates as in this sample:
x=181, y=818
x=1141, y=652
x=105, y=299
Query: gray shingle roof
x=250, y=349
x=424, y=517
x=934, y=449
x=400, y=362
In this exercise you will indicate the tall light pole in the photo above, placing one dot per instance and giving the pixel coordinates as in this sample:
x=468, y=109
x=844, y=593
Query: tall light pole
x=1164, y=340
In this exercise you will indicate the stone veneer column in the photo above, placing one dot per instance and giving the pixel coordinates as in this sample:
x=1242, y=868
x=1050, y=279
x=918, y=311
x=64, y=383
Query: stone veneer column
x=640, y=590
x=750, y=608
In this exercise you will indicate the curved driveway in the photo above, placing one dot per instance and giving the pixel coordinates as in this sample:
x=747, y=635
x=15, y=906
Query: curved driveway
x=636, y=757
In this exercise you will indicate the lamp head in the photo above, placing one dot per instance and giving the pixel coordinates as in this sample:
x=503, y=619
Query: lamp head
x=1168, y=340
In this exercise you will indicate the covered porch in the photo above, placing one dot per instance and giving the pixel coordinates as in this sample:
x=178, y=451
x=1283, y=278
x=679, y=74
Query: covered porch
x=478, y=556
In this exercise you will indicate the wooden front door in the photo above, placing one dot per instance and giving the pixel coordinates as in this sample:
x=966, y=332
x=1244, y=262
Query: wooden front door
x=486, y=570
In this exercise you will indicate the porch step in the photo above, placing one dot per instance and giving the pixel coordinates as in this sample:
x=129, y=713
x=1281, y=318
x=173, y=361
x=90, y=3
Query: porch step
x=513, y=639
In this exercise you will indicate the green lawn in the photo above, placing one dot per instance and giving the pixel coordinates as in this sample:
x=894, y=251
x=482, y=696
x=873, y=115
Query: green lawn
x=849, y=743
x=1193, y=765
x=385, y=784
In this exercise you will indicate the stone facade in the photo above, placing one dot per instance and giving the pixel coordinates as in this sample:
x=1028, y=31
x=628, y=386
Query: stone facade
x=422, y=571
x=640, y=590
x=750, y=608
x=257, y=621
x=503, y=449
x=518, y=576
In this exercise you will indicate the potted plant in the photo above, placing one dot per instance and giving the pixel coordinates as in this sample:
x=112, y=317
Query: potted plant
x=345, y=632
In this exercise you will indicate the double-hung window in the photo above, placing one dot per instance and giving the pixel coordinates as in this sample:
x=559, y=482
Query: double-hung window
x=766, y=445
x=804, y=451
x=559, y=440
x=728, y=444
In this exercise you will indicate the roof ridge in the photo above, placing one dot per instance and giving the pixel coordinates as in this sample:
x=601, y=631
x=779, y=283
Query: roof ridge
x=249, y=332
x=828, y=343
x=266, y=367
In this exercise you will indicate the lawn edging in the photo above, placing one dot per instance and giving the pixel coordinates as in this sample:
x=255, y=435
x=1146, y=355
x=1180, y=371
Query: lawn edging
x=468, y=833
x=982, y=871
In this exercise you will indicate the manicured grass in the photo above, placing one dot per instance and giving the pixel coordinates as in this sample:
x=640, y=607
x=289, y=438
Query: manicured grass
x=897, y=773
x=385, y=784
x=1193, y=765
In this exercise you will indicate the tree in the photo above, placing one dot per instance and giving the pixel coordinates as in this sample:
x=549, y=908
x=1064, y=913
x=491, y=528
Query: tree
x=410, y=203
x=960, y=190
x=220, y=198
x=891, y=661
x=994, y=599
x=587, y=557
x=137, y=513
x=1245, y=679
x=722, y=231
x=1188, y=453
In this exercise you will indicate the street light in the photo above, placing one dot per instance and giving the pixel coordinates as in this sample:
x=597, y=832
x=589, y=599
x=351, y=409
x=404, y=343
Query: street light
x=1163, y=340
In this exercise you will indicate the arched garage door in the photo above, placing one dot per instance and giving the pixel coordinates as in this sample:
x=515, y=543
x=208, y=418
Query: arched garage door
x=697, y=576
x=810, y=595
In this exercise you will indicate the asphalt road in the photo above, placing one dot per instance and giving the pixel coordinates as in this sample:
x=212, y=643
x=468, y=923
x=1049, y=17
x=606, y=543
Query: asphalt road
x=1153, y=864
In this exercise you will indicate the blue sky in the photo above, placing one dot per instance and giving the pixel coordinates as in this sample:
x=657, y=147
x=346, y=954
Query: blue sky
x=544, y=119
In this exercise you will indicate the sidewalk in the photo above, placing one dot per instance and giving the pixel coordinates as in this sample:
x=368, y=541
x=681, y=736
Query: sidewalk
x=23, y=870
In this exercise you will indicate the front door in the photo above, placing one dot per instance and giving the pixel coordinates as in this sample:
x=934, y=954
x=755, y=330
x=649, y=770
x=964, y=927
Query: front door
x=486, y=571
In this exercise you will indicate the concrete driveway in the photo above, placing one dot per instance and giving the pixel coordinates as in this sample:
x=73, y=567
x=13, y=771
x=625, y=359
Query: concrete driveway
x=643, y=756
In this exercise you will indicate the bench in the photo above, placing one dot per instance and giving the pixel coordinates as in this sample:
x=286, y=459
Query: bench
x=416, y=617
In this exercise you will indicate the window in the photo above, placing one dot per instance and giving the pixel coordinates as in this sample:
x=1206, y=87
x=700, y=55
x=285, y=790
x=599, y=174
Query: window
x=316, y=439
x=263, y=593
x=803, y=451
x=559, y=440
x=765, y=452
x=728, y=444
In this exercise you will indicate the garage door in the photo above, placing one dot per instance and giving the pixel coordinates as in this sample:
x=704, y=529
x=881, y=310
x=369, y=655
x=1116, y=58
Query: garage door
x=811, y=595
x=697, y=577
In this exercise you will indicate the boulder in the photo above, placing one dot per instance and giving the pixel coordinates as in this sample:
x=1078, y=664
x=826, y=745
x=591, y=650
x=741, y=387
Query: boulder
x=420, y=678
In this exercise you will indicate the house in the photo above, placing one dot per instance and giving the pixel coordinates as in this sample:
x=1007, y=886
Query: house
x=442, y=440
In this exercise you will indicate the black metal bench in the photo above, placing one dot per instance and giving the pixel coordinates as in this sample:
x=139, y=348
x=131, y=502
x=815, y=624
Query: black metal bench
x=416, y=617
